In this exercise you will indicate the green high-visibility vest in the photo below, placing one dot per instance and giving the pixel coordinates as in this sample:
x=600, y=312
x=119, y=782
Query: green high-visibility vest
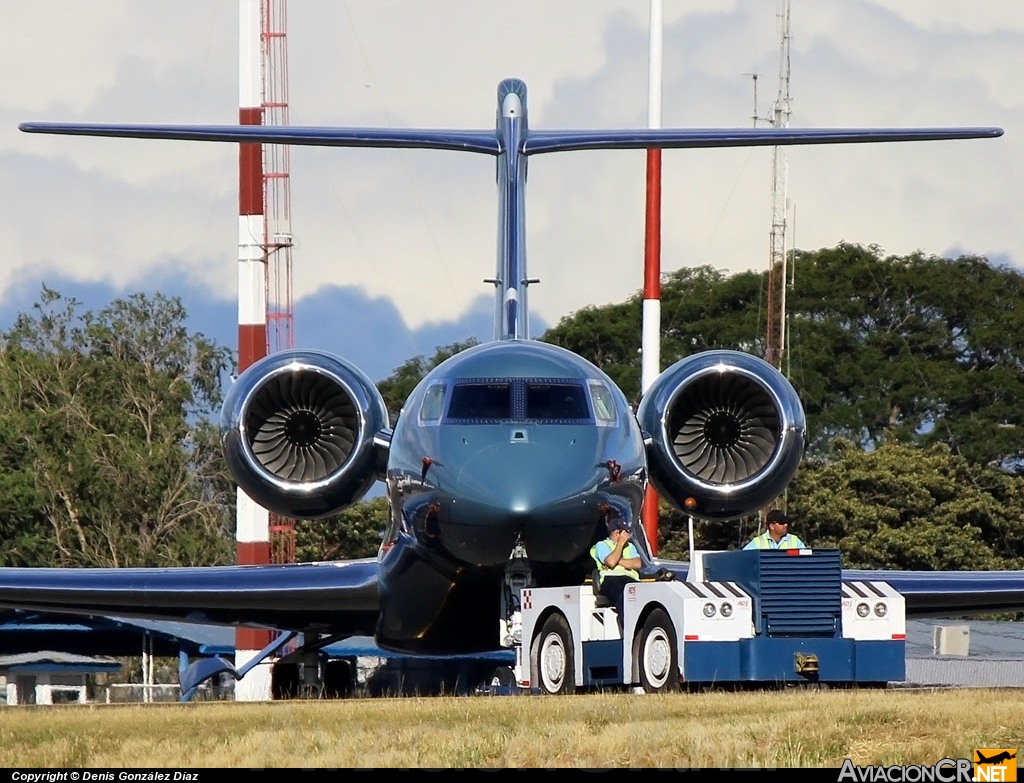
x=627, y=551
x=788, y=541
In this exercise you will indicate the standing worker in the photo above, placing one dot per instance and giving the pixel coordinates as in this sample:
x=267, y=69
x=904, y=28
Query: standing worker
x=776, y=534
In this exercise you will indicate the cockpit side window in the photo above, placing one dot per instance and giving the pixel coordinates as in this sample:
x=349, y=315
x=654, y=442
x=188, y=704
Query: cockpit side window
x=481, y=401
x=604, y=403
x=562, y=401
x=433, y=404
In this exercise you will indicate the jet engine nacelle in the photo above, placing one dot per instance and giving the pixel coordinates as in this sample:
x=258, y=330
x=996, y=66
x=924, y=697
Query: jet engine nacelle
x=298, y=431
x=724, y=428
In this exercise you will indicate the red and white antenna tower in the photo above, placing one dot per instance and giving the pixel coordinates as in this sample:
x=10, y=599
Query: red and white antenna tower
x=264, y=273
x=650, y=339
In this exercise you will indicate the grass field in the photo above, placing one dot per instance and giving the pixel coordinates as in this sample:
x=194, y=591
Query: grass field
x=790, y=728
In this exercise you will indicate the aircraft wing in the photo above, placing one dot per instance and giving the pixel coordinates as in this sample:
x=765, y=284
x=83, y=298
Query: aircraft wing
x=336, y=597
x=951, y=593
x=932, y=593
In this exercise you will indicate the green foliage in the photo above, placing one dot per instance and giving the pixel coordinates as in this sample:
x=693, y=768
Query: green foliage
x=355, y=532
x=897, y=507
x=108, y=459
x=910, y=508
x=609, y=337
x=674, y=538
x=397, y=387
x=916, y=349
x=910, y=373
x=701, y=309
x=910, y=370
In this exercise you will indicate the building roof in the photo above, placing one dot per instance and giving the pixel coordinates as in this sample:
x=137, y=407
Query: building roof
x=50, y=660
x=23, y=631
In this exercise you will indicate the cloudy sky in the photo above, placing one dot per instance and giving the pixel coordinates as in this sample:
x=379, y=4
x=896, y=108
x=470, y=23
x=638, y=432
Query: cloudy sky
x=391, y=246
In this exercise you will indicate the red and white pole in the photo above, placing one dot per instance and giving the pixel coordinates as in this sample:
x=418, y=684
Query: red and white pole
x=252, y=527
x=650, y=344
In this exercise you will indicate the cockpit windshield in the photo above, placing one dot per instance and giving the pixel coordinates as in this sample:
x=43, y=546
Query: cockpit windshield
x=556, y=401
x=520, y=399
x=489, y=401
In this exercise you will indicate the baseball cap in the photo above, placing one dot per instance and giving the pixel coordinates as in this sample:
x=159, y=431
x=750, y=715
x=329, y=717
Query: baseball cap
x=617, y=524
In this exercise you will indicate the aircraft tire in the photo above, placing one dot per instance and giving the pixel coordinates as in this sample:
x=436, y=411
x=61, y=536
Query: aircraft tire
x=554, y=667
x=284, y=681
x=503, y=677
x=656, y=654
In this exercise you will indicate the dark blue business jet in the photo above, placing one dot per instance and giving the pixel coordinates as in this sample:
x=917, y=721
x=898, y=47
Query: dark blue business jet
x=506, y=459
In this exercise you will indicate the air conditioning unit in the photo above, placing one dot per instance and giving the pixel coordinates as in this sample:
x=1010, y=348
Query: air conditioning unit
x=952, y=640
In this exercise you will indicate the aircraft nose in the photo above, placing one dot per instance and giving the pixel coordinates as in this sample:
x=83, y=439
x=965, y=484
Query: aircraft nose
x=550, y=494
x=526, y=478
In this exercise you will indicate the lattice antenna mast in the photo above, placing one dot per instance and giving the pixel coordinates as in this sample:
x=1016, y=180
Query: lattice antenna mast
x=277, y=178
x=277, y=222
x=754, y=116
x=775, y=336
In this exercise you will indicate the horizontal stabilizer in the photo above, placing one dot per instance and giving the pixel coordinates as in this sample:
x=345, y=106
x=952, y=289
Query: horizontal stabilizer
x=532, y=141
x=483, y=141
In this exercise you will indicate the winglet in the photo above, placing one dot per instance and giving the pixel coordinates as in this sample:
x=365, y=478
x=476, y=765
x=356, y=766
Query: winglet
x=202, y=670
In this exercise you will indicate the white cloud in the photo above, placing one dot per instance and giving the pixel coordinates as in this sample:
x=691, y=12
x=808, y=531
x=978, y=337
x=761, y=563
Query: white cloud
x=419, y=226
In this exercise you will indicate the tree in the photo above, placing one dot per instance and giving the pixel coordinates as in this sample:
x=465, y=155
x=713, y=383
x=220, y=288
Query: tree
x=909, y=369
x=906, y=507
x=897, y=507
x=608, y=336
x=355, y=532
x=106, y=416
x=704, y=310
x=917, y=349
x=397, y=387
x=701, y=309
x=673, y=532
x=902, y=356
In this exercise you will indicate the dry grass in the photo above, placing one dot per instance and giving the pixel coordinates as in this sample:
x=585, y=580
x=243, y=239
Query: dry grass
x=792, y=728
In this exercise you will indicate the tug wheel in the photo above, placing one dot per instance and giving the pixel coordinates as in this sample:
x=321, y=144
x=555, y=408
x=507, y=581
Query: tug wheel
x=554, y=669
x=656, y=654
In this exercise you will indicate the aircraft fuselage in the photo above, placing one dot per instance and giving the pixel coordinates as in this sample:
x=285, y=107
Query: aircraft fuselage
x=509, y=442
